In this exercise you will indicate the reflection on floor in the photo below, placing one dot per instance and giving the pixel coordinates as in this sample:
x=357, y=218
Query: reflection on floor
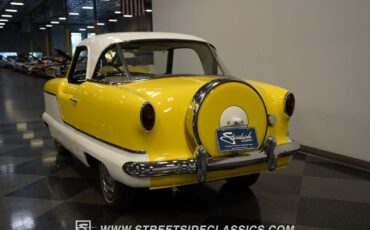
x=42, y=190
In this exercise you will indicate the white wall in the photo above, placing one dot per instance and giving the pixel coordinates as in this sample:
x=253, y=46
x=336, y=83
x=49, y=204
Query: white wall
x=319, y=49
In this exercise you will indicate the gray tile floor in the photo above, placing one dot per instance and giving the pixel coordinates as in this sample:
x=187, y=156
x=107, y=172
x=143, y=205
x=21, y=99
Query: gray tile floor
x=40, y=189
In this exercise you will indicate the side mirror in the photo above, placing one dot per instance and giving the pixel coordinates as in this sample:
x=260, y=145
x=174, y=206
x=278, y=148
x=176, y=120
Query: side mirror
x=51, y=72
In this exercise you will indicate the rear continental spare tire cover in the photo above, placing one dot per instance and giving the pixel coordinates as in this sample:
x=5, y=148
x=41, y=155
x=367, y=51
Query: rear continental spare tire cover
x=226, y=102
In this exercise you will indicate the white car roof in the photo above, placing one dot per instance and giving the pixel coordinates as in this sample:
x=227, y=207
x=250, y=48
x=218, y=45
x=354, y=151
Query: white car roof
x=97, y=44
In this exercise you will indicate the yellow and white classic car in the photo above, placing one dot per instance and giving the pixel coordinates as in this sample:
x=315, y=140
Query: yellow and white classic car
x=160, y=110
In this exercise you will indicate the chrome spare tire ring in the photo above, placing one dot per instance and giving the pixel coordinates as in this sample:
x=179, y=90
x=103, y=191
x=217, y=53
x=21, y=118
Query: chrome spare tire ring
x=202, y=93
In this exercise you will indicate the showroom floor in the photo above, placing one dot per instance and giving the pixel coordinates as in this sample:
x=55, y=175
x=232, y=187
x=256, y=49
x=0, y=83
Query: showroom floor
x=41, y=189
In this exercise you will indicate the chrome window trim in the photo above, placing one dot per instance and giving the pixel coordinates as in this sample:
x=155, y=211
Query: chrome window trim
x=118, y=46
x=74, y=61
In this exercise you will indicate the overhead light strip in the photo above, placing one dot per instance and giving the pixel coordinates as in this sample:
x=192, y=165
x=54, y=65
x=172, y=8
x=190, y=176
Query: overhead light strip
x=17, y=3
x=87, y=7
x=3, y=20
x=74, y=13
x=11, y=10
x=6, y=15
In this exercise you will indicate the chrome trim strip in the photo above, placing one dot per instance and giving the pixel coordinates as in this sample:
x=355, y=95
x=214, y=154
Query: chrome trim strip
x=189, y=166
x=161, y=168
x=202, y=93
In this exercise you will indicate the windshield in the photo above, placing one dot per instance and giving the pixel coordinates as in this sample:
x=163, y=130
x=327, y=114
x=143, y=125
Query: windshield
x=158, y=58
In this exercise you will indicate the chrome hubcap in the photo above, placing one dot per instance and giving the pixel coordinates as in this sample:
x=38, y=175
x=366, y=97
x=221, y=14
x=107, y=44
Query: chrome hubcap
x=107, y=182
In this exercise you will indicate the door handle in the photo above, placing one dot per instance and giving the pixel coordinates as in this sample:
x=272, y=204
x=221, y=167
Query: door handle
x=73, y=99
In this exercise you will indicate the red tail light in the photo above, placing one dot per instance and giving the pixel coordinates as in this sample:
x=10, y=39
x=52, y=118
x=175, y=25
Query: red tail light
x=147, y=116
x=289, y=104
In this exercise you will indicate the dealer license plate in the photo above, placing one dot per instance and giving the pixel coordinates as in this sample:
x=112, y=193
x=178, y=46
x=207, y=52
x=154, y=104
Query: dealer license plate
x=236, y=138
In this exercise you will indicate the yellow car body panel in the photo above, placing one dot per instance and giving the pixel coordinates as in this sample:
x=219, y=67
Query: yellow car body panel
x=111, y=113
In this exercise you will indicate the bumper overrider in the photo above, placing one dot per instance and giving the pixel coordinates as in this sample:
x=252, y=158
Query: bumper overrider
x=202, y=163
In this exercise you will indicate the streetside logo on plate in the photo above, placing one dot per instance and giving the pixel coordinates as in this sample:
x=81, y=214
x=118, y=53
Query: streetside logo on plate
x=236, y=138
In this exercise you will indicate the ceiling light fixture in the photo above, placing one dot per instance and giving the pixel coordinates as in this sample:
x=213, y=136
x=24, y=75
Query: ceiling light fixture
x=149, y=10
x=90, y=27
x=1, y=27
x=127, y=16
x=82, y=29
x=87, y=7
x=113, y=20
x=48, y=25
x=100, y=24
x=42, y=28
x=54, y=22
x=62, y=18
x=6, y=15
x=74, y=13
x=3, y=20
x=17, y=3
x=11, y=10
x=117, y=12
x=2, y=24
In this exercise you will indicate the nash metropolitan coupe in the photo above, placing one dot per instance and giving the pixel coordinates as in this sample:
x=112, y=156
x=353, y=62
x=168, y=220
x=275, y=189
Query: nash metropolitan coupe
x=160, y=110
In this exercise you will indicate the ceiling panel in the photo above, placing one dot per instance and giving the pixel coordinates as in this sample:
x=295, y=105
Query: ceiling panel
x=40, y=12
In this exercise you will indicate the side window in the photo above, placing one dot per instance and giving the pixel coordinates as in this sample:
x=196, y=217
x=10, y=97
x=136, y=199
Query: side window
x=186, y=61
x=79, y=66
x=109, y=65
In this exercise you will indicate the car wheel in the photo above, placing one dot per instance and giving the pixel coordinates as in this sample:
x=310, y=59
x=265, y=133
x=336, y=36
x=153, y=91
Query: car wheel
x=243, y=181
x=60, y=148
x=117, y=195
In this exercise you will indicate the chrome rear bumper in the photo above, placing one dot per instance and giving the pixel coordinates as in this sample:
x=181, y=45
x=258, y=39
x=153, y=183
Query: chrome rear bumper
x=202, y=164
